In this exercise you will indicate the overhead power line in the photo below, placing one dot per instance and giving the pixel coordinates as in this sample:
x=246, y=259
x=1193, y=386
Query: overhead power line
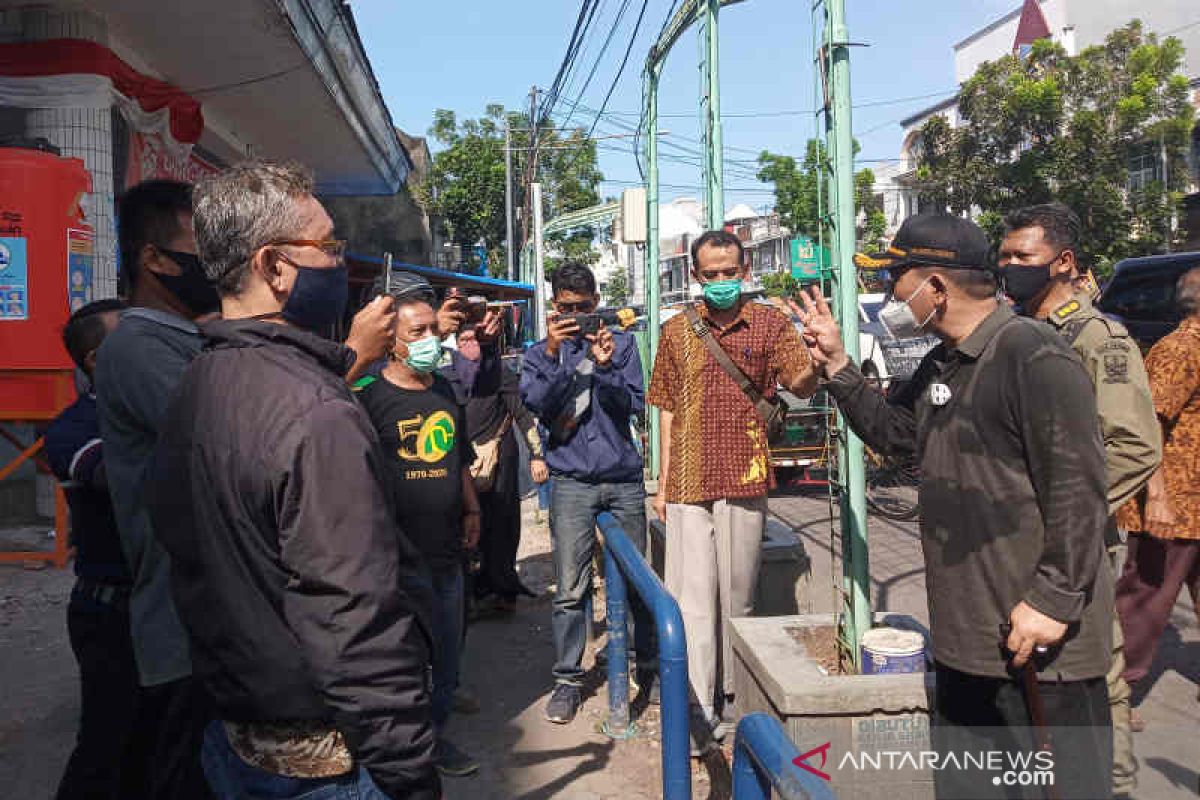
x=795, y=112
x=600, y=56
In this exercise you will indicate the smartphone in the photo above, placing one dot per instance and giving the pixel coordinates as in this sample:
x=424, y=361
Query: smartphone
x=589, y=324
x=477, y=307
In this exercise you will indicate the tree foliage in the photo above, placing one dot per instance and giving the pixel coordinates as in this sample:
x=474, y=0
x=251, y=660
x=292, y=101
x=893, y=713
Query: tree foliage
x=779, y=284
x=465, y=186
x=1048, y=126
x=797, y=188
x=617, y=290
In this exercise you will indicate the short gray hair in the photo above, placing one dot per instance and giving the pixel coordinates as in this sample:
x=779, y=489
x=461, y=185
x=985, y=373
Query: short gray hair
x=1187, y=292
x=241, y=209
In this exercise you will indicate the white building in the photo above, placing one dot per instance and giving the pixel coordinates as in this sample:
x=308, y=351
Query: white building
x=679, y=223
x=1075, y=24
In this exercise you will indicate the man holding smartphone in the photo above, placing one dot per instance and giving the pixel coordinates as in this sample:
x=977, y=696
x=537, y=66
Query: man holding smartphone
x=583, y=388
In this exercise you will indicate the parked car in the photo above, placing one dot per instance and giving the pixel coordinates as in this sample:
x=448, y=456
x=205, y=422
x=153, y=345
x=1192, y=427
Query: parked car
x=1141, y=294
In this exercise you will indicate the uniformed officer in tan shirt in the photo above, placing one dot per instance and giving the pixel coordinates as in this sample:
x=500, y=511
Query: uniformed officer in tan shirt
x=1041, y=274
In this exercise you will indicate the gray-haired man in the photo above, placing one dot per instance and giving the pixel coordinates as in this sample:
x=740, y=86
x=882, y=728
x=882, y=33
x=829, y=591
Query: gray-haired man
x=307, y=612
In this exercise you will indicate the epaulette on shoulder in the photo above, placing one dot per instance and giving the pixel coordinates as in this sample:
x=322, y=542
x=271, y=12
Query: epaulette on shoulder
x=1066, y=310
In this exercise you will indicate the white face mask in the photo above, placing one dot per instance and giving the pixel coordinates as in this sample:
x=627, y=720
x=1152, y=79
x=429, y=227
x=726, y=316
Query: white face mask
x=899, y=318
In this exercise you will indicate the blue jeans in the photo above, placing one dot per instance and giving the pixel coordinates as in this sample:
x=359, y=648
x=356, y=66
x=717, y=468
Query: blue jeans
x=231, y=778
x=447, y=640
x=573, y=509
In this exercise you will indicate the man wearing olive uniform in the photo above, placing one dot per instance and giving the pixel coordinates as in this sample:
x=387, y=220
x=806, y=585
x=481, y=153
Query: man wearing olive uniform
x=1038, y=259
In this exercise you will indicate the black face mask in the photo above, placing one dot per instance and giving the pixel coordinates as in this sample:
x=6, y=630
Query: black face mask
x=1023, y=283
x=191, y=287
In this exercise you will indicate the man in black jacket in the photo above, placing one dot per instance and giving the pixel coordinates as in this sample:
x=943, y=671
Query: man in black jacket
x=1002, y=419
x=307, y=612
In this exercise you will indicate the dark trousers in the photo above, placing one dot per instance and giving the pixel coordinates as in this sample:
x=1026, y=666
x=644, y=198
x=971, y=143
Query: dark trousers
x=170, y=732
x=109, y=702
x=984, y=715
x=447, y=641
x=500, y=534
x=573, y=509
x=498, y=541
x=1155, y=570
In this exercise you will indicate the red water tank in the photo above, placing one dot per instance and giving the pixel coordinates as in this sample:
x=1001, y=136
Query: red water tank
x=46, y=258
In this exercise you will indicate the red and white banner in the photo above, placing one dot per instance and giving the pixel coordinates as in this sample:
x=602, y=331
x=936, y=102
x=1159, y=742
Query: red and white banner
x=74, y=73
x=152, y=157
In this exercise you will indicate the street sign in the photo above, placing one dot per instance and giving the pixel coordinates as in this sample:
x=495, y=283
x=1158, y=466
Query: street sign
x=809, y=260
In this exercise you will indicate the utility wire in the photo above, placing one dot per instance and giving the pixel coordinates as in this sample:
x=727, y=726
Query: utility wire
x=600, y=56
x=637, y=26
x=796, y=112
x=568, y=60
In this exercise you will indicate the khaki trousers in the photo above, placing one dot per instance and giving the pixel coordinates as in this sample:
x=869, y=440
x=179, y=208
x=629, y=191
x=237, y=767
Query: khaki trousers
x=1124, y=761
x=712, y=556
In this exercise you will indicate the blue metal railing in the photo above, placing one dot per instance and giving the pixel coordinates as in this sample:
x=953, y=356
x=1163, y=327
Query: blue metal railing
x=623, y=562
x=764, y=759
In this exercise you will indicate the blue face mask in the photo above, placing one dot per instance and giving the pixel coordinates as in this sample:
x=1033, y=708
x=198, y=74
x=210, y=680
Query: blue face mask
x=318, y=297
x=424, y=354
x=722, y=294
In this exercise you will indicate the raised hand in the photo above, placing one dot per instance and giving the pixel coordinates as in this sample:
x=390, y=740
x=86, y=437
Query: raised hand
x=603, y=346
x=452, y=314
x=373, y=331
x=821, y=332
x=559, y=328
x=488, y=331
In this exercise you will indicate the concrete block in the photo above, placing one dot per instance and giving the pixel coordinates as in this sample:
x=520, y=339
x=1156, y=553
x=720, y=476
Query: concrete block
x=852, y=713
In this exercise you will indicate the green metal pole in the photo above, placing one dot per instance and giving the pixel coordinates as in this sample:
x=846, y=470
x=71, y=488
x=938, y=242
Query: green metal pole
x=710, y=114
x=653, y=284
x=841, y=145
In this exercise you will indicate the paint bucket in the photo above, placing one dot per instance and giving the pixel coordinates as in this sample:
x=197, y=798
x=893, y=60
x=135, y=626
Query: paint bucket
x=890, y=651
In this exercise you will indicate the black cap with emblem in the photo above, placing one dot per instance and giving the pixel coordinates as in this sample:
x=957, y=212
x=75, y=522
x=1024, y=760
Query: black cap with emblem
x=933, y=240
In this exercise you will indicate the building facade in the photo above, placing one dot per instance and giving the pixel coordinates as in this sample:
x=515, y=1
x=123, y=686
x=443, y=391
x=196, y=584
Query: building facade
x=1074, y=24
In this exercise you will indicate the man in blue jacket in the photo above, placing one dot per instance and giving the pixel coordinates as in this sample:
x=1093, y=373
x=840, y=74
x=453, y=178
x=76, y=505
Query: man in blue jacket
x=584, y=389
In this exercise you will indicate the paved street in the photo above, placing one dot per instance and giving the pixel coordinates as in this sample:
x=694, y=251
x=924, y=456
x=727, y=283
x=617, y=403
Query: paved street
x=508, y=666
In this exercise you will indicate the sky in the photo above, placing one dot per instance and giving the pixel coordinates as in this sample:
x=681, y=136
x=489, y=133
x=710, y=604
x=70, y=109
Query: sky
x=464, y=54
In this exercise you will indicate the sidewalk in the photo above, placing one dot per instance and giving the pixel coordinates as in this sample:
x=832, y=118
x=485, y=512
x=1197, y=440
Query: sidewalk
x=507, y=665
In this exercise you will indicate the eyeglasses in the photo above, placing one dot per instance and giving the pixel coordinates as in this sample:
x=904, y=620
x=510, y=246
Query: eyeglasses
x=575, y=308
x=331, y=247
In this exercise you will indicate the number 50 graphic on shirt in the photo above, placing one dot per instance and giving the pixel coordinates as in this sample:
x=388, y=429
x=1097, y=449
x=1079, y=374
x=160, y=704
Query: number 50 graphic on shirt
x=426, y=439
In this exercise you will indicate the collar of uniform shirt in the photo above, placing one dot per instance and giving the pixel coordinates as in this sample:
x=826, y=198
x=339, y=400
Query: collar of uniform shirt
x=972, y=346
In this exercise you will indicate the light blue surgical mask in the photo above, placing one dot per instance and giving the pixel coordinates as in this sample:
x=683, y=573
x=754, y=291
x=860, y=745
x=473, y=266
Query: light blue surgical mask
x=424, y=354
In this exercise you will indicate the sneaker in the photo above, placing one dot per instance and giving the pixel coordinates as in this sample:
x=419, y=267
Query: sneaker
x=452, y=762
x=464, y=702
x=564, y=704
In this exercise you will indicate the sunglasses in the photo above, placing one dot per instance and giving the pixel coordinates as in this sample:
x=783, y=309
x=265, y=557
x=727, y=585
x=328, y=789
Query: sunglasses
x=335, y=248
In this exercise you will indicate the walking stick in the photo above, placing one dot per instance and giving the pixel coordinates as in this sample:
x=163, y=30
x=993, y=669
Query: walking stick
x=1037, y=710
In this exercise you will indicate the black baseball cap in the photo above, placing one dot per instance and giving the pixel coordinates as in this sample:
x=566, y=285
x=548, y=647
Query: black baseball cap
x=405, y=286
x=937, y=240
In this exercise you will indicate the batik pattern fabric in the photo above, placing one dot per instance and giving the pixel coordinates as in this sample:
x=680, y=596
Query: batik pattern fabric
x=292, y=749
x=1173, y=365
x=718, y=440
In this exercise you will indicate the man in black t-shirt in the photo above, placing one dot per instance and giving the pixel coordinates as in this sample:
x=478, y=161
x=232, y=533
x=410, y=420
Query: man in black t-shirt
x=424, y=434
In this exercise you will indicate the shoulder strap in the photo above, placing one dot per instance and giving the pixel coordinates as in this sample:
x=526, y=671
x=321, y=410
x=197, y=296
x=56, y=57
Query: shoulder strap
x=1072, y=328
x=732, y=370
x=363, y=382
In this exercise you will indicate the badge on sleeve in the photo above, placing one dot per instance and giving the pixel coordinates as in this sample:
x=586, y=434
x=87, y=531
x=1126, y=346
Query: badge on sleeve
x=1116, y=368
x=939, y=394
